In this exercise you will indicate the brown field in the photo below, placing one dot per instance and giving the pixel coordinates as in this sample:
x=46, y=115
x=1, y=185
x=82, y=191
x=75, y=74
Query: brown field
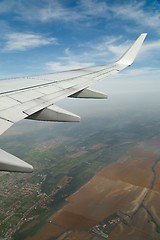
x=30, y=225
x=102, y=196
x=98, y=146
x=128, y=188
x=77, y=154
x=136, y=229
x=72, y=220
x=51, y=230
x=136, y=169
x=153, y=205
x=157, y=181
x=75, y=235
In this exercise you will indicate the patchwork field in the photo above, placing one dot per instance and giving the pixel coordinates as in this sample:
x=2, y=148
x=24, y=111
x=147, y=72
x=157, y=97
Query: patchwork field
x=120, y=202
x=93, y=180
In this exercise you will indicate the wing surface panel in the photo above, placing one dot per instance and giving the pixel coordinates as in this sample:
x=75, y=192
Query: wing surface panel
x=25, y=96
x=7, y=102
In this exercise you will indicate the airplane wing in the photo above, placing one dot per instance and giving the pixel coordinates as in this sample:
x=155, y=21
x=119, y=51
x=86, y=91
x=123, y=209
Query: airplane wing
x=34, y=97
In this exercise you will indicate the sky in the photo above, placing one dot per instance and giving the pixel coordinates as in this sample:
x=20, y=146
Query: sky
x=50, y=35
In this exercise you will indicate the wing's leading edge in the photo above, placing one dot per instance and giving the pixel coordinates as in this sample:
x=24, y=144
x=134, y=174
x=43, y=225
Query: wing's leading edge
x=34, y=97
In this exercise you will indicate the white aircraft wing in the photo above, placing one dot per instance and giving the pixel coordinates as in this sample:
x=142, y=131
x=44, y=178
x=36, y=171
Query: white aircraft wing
x=34, y=97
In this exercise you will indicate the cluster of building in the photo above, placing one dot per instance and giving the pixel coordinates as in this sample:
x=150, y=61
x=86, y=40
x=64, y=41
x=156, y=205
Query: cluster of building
x=104, y=228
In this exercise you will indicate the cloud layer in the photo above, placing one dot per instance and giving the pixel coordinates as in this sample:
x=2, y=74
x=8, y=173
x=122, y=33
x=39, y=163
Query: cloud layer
x=24, y=41
x=83, y=11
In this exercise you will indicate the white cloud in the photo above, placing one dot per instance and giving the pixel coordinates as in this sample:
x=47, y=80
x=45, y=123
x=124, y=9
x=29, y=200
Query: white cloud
x=42, y=11
x=145, y=79
x=152, y=46
x=103, y=43
x=66, y=65
x=86, y=13
x=137, y=13
x=94, y=8
x=141, y=73
x=103, y=52
x=56, y=11
x=108, y=49
x=23, y=41
x=132, y=80
x=68, y=61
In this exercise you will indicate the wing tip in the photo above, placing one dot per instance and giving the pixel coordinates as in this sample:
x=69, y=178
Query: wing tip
x=145, y=34
x=129, y=56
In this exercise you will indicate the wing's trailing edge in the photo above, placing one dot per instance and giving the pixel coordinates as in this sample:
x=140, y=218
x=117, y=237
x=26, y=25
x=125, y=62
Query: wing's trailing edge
x=34, y=97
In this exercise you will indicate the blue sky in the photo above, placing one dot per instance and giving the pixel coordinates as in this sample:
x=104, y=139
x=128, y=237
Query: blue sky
x=51, y=35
